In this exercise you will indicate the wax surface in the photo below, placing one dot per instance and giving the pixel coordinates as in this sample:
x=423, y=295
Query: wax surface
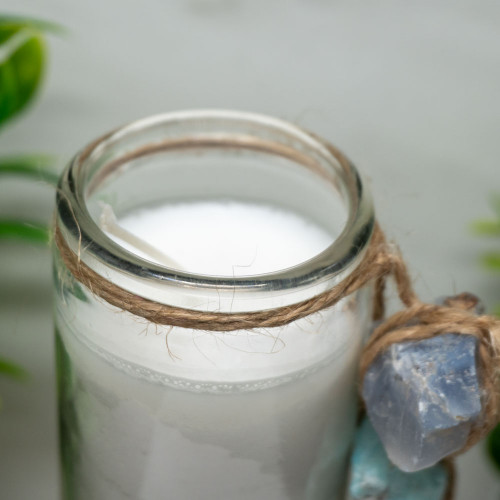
x=226, y=238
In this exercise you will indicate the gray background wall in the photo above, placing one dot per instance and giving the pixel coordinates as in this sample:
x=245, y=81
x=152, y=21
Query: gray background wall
x=409, y=90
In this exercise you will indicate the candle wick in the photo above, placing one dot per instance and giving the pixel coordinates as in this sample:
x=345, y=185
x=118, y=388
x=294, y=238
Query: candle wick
x=109, y=224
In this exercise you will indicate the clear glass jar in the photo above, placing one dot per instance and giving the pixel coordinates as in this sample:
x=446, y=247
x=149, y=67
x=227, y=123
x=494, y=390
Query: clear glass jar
x=143, y=417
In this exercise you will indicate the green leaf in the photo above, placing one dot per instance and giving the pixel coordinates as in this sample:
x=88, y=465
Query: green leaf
x=28, y=231
x=12, y=370
x=486, y=227
x=36, y=166
x=22, y=61
x=491, y=260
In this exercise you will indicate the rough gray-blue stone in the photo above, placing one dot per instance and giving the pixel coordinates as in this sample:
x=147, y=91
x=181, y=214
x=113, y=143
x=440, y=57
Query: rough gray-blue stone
x=423, y=397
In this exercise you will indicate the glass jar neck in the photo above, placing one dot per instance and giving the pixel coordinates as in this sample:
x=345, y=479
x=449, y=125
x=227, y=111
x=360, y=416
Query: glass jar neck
x=215, y=154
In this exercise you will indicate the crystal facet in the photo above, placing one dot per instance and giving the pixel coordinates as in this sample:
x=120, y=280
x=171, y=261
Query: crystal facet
x=374, y=477
x=424, y=397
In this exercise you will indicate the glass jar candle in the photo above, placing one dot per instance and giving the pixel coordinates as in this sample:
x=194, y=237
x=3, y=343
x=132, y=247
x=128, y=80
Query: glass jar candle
x=211, y=211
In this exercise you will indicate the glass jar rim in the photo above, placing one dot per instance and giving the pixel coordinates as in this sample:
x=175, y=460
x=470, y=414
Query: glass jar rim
x=235, y=294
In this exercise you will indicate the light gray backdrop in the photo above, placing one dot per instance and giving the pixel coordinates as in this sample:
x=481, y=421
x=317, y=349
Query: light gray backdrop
x=409, y=90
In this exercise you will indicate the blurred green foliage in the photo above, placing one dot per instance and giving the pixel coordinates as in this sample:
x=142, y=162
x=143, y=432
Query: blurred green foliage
x=491, y=228
x=11, y=369
x=491, y=261
x=23, y=57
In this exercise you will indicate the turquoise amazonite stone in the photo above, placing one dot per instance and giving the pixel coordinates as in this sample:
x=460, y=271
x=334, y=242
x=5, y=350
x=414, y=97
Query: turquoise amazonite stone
x=373, y=477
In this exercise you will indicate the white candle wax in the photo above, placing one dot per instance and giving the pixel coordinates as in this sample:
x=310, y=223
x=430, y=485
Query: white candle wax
x=175, y=413
x=226, y=238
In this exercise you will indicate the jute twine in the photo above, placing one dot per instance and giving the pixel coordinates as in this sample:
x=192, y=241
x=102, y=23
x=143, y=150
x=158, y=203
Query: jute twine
x=376, y=264
x=417, y=321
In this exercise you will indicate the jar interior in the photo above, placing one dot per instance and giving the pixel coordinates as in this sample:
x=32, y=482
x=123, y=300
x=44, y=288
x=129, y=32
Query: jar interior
x=226, y=172
x=173, y=177
x=216, y=155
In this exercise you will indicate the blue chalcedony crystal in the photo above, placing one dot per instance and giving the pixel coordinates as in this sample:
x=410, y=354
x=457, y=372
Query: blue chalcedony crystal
x=424, y=397
x=374, y=477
